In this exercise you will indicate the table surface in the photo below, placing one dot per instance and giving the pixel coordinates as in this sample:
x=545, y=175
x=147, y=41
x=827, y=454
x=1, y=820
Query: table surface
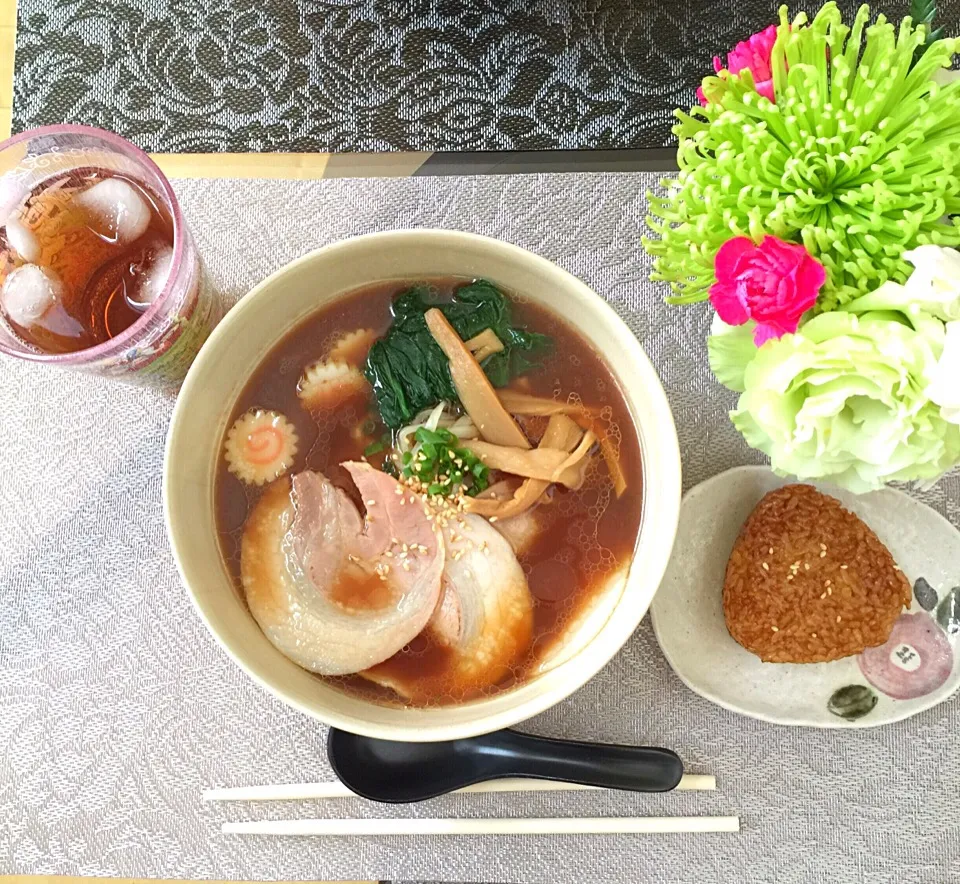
x=117, y=708
x=369, y=75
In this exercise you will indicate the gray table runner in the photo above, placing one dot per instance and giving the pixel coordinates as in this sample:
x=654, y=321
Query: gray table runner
x=377, y=75
x=117, y=708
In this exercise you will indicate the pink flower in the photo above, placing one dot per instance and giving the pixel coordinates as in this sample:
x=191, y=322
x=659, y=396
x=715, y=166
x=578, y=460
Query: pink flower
x=774, y=283
x=753, y=55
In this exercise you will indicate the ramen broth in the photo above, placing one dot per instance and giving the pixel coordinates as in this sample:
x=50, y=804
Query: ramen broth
x=583, y=536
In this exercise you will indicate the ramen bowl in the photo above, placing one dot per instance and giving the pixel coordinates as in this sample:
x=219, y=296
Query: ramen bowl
x=259, y=322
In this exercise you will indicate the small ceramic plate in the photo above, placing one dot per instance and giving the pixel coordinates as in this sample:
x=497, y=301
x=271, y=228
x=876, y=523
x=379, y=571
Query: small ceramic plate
x=917, y=668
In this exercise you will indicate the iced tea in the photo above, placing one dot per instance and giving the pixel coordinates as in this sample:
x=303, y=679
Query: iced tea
x=83, y=259
x=98, y=271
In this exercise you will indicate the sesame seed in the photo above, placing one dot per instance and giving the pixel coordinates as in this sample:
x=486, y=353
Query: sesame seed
x=806, y=566
x=403, y=501
x=765, y=566
x=823, y=546
x=371, y=503
x=813, y=635
x=774, y=628
x=823, y=595
x=823, y=554
x=406, y=566
x=789, y=576
x=829, y=590
x=771, y=550
x=827, y=583
x=493, y=518
x=843, y=567
x=838, y=618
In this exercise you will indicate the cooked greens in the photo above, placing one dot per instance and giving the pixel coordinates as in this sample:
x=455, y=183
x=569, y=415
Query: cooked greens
x=408, y=370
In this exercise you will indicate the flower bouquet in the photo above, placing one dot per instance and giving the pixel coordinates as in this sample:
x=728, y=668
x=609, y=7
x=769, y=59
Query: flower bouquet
x=817, y=209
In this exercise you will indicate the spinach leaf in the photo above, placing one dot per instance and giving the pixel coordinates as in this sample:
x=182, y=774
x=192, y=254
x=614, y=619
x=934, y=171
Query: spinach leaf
x=409, y=371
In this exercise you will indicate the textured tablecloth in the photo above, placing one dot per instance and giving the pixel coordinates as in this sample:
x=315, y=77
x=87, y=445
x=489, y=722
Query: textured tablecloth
x=376, y=75
x=117, y=708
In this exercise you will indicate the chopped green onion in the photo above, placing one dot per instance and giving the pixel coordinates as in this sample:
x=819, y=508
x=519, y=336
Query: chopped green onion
x=444, y=467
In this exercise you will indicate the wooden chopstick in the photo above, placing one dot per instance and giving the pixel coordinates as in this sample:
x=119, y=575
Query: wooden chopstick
x=336, y=789
x=519, y=826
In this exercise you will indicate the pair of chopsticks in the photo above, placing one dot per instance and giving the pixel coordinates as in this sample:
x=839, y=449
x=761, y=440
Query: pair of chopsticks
x=519, y=826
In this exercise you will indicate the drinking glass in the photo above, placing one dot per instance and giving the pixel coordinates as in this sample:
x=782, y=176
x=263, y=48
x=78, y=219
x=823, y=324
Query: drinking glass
x=158, y=348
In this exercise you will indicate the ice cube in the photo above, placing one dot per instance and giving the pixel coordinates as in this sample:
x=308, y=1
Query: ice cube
x=22, y=240
x=149, y=276
x=116, y=210
x=28, y=293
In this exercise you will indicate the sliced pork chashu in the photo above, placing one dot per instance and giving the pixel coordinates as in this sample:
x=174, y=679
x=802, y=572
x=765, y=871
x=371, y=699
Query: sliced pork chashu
x=334, y=591
x=484, y=622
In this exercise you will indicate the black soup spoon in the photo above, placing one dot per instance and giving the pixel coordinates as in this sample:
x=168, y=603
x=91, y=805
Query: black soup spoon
x=397, y=772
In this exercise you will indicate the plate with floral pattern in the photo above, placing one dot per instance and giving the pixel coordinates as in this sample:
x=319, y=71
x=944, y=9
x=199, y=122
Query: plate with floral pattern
x=918, y=666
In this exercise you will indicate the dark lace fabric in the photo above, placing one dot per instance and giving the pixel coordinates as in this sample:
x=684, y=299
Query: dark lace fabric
x=379, y=75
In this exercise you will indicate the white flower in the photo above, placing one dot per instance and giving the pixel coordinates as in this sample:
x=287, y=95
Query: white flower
x=944, y=388
x=934, y=286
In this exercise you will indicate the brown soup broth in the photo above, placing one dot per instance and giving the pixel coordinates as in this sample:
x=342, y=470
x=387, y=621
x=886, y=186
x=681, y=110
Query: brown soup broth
x=585, y=535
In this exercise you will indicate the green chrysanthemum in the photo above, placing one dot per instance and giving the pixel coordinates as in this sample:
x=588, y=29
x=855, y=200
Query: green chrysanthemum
x=859, y=159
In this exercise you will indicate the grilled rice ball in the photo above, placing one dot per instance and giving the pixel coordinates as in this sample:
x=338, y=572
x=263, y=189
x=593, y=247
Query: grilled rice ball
x=809, y=582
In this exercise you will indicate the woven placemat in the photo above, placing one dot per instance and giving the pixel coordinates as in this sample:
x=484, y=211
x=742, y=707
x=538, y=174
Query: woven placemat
x=378, y=75
x=117, y=707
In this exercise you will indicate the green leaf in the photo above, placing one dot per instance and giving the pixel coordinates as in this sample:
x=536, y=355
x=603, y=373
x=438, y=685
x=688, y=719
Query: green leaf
x=948, y=612
x=923, y=12
x=409, y=372
x=925, y=594
x=852, y=702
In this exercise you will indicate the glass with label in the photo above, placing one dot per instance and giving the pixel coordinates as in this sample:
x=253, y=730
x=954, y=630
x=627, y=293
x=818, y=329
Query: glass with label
x=98, y=271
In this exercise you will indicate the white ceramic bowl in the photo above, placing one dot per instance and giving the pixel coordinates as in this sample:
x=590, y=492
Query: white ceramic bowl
x=259, y=321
